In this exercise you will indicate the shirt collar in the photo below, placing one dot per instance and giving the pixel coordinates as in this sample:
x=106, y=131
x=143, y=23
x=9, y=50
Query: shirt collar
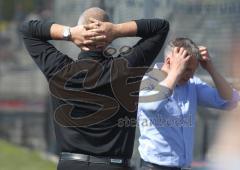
x=158, y=65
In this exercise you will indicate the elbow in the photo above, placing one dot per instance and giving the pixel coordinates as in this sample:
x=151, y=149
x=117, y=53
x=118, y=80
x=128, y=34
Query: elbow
x=229, y=95
x=164, y=29
x=230, y=106
x=26, y=28
x=234, y=99
x=166, y=26
x=231, y=100
x=23, y=28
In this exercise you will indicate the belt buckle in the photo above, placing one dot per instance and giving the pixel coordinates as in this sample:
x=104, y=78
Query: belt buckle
x=116, y=161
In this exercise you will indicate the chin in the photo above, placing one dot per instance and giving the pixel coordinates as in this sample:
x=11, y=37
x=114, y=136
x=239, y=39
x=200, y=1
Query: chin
x=182, y=82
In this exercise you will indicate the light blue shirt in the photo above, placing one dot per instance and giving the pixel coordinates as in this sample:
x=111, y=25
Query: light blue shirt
x=167, y=124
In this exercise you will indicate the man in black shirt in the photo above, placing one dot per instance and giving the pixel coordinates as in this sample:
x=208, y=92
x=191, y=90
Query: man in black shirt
x=91, y=96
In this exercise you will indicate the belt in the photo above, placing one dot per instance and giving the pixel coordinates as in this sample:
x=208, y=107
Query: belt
x=92, y=159
x=152, y=165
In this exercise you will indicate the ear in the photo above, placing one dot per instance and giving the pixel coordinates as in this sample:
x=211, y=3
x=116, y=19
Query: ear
x=167, y=60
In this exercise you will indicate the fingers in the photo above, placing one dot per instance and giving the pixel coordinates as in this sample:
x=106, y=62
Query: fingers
x=96, y=41
x=98, y=30
x=87, y=45
x=176, y=50
x=94, y=24
x=94, y=33
x=187, y=58
x=93, y=20
x=202, y=48
x=185, y=54
x=94, y=38
x=85, y=48
x=98, y=38
x=204, y=57
x=91, y=26
x=181, y=50
x=204, y=53
x=89, y=34
x=93, y=47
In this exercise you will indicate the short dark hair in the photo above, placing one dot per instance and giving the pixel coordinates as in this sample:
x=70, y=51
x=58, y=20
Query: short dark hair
x=186, y=43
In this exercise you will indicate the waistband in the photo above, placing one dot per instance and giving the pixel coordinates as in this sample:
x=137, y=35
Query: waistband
x=94, y=159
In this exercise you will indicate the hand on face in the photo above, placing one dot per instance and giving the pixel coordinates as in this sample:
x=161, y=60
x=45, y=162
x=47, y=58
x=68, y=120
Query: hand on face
x=205, y=59
x=179, y=60
x=183, y=65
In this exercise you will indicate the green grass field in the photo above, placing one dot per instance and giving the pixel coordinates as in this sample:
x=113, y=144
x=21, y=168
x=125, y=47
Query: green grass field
x=16, y=158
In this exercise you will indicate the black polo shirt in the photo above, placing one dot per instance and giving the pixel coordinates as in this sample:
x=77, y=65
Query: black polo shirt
x=95, y=98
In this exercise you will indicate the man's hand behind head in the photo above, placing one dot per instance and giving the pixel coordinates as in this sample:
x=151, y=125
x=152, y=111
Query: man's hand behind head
x=88, y=37
x=205, y=59
x=107, y=28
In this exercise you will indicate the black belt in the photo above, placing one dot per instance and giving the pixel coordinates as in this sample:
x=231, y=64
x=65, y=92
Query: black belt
x=92, y=159
x=152, y=165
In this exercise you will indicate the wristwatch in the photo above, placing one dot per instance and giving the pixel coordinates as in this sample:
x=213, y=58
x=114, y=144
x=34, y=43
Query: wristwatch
x=66, y=33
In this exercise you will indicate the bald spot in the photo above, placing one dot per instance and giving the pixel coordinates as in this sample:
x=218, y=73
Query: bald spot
x=94, y=12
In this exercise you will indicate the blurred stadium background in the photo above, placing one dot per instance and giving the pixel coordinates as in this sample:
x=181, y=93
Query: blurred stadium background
x=25, y=113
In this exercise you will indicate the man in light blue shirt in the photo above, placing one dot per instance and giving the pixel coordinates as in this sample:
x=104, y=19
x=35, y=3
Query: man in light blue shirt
x=167, y=123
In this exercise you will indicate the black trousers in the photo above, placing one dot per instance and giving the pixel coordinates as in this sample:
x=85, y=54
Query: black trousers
x=78, y=165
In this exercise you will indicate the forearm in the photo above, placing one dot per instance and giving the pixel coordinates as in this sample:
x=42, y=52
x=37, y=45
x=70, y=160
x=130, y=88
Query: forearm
x=56, y=32
x=223, y=87
x=45, y=30
x=157, y=28
x=127, y=29
x=171, y=80
x=35, y=36
x=142, y=28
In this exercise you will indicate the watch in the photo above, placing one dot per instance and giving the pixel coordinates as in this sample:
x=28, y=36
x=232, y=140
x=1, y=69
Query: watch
x=66, y=33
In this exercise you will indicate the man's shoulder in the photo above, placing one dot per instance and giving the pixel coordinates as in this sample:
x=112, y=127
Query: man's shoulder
x=196, y=81
x=149, y=82
x=155, y=74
